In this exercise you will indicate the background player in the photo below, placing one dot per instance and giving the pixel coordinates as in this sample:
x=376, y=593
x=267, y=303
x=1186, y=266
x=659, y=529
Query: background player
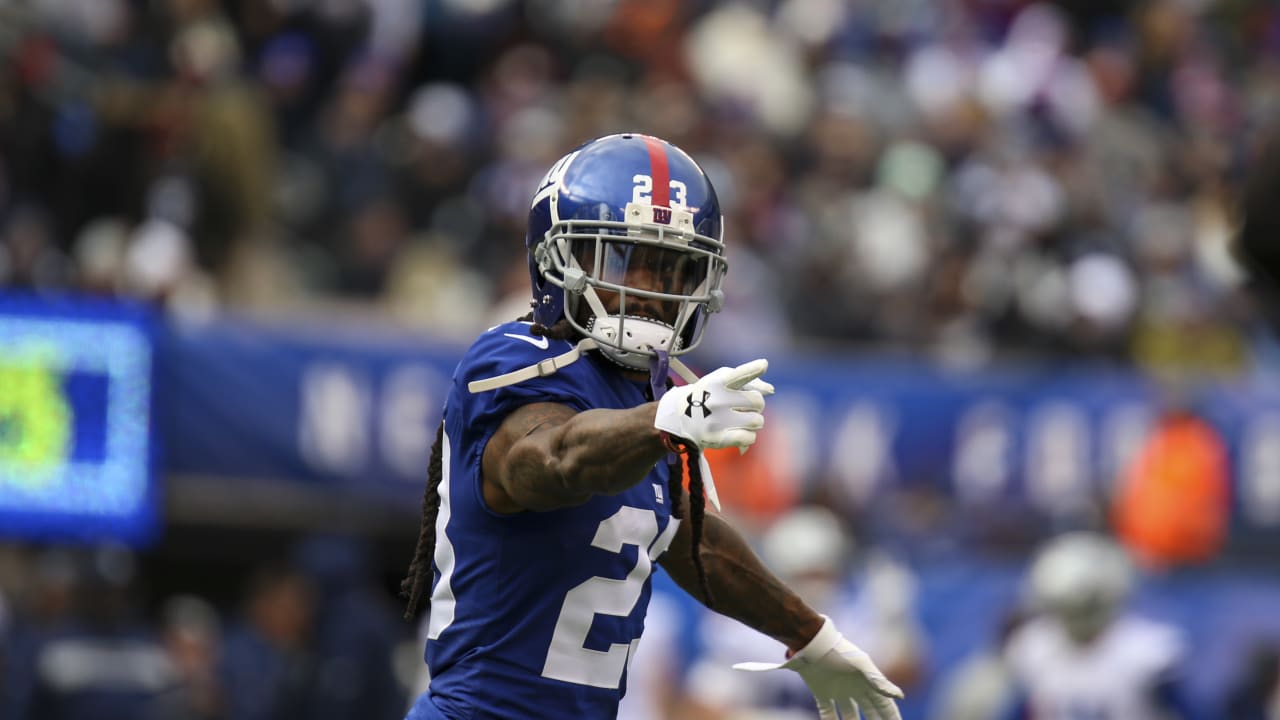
x=1084, y=657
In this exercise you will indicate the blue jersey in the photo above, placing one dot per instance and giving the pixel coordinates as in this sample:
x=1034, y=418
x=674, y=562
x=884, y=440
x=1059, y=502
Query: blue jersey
x=534, y=615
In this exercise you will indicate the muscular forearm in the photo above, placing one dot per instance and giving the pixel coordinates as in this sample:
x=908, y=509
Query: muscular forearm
x=591, y=453
x=742, y=587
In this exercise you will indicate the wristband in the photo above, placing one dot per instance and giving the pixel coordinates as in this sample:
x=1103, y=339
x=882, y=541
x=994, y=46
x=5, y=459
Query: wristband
x=820, y=644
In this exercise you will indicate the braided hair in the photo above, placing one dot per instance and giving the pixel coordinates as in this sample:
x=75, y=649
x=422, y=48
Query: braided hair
x=416, y=583
x=418, y=580
x=697, y=512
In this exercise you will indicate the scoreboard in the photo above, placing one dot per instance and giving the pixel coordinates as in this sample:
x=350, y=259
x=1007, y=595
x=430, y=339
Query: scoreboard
x=77, y=447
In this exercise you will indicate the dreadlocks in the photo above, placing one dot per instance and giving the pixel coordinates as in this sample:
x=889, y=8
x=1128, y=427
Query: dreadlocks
x=697, y=512
x=418, y=580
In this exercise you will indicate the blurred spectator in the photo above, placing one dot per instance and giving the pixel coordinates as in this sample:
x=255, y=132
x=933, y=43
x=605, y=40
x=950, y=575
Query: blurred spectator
x=107, y=664
x=1174, y=500
x=267, y=663
x=99, y=253
x=442, y=126
x=159, y=267
x=373, y=238
x=353, y=220
x=354, y=634
x=1083, y=654
x=192, y=635
x=42, y=610
x=29, y=257
x=425, y=282
x=222, y=134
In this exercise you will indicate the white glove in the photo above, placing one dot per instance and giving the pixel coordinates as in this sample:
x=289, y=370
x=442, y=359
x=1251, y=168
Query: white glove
x=723, y=409
x=841, y=677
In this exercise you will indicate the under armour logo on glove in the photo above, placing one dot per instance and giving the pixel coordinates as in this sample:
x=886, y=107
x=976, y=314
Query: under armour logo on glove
x=732, y=404
x=700, y=404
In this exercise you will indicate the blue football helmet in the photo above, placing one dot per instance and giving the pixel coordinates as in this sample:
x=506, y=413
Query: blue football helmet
x=625, y=242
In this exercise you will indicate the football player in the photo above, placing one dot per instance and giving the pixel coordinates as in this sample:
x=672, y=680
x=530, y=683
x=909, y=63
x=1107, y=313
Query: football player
x=1083, y=657
x=555, y=482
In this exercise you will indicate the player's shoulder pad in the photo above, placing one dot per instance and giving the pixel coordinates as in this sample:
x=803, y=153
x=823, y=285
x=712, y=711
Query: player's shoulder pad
x=505, y=348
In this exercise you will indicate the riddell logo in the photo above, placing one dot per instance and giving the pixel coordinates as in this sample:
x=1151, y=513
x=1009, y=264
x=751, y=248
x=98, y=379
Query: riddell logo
x=662, y=215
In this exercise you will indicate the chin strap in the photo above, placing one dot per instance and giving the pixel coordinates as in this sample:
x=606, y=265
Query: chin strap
x=659, y=369
x=683, y=371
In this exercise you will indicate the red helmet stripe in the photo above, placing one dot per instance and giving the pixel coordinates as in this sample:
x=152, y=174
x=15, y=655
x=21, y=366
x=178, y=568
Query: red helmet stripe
x=661, y=175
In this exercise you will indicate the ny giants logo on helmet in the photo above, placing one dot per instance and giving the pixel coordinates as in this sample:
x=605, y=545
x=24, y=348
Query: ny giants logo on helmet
x=662, y=215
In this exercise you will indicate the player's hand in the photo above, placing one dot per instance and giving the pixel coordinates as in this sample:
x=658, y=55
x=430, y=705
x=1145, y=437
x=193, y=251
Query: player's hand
x=723, y=409
x=841, y=677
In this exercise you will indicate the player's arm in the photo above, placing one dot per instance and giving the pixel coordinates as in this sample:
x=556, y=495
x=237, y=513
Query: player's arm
x=546, y=455
x=725, y=409
x=743, y=588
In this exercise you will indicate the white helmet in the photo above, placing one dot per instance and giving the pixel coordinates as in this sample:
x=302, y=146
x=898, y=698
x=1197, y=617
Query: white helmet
x=806, y=540
x=1082, y=578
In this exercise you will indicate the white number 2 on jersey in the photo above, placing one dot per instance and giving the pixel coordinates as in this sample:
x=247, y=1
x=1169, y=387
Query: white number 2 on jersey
x=567, y=659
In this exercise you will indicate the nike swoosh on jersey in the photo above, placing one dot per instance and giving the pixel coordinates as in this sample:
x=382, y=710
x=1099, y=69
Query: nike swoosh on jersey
x=538, y=342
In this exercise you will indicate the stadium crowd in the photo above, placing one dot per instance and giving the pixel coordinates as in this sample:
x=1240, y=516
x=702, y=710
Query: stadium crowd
x=968, y=179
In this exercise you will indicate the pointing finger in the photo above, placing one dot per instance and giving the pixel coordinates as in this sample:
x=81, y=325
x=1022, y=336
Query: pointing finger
x=745, y=373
